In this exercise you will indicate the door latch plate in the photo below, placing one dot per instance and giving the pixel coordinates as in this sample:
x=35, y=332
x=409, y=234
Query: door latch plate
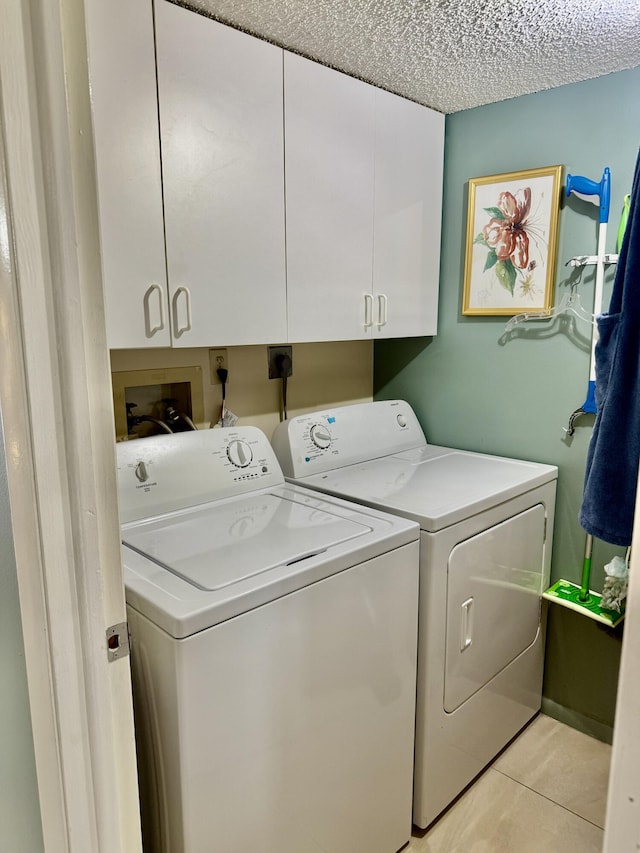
x=117, y=641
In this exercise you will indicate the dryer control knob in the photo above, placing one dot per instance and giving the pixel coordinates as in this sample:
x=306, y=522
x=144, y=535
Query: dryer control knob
x=320, y=436
x=402, y=421
x=141, y=472
x=239, y=454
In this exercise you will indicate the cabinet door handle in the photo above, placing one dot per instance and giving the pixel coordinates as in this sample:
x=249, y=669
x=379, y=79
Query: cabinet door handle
x=368, y=310
x=149, y=329
x=177, y=328
x=382, y=310
x=466, y=624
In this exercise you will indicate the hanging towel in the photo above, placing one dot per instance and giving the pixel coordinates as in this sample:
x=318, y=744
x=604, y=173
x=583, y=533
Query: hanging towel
x=611, y=477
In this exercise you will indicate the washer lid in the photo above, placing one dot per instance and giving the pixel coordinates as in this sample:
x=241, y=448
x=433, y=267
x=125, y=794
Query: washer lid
x=436, y=486
x=192, y=569
x=212, y=548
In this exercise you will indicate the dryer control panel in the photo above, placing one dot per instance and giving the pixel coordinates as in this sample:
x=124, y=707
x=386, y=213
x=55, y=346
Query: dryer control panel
x=164, y=473
x=324, y=440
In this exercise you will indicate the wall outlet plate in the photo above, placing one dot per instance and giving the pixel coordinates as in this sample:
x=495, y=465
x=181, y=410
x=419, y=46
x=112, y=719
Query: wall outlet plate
x=218, y=358
x=272, y=355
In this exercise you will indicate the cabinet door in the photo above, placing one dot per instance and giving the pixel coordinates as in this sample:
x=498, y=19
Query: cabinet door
x=329, y=137
x=408, y=213
x=127, y=149
x=221, y=124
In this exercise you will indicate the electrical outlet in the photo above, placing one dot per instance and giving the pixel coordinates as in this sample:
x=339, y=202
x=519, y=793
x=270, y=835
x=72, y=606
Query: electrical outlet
x=273, y=354
x=217, y=358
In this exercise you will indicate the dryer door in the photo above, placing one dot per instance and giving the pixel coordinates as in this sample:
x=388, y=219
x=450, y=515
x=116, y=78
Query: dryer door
x=494, y=591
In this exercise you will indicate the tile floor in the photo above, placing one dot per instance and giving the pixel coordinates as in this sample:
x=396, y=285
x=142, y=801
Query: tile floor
x=546, y=792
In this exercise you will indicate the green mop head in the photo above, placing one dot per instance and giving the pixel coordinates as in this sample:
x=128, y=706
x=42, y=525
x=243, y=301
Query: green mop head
x=568, y=594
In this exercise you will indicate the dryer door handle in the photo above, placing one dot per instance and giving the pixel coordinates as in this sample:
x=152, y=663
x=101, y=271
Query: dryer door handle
x=466, y=624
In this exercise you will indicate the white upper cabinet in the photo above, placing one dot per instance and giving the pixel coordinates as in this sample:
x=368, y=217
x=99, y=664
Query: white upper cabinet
x=408, y=214
x=125, y=122
x=364, y=205
x=199, y=137
x=221, y=128
x=329, y=134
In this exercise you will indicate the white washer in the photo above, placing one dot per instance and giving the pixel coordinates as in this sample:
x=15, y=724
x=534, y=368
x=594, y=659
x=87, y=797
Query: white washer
x=486, y=530
x=274, y=637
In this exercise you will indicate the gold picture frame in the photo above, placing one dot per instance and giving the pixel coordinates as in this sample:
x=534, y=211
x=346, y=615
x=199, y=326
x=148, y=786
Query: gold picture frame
x=512, y=234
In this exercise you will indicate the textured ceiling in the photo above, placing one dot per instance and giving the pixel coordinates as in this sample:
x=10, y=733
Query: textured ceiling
x=449, y=54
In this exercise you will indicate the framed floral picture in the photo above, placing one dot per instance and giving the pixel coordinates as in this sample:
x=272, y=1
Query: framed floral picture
x=512, y=228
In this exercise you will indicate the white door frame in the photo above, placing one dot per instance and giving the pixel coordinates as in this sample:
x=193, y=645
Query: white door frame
x=622, y=826
x=57, y=418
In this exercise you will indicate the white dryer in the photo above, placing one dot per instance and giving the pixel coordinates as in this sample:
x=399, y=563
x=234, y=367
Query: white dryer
x=273, y=638
x=485, y=548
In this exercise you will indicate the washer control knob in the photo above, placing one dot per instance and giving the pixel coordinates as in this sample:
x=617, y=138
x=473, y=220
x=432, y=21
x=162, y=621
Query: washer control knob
x=239, y=453
x=320, y=436
x=141, y=472
x=402, y=421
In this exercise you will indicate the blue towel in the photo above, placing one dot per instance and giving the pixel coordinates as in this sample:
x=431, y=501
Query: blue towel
x=611, y=478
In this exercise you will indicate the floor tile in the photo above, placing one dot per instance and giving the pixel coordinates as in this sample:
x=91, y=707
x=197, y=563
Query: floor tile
x=562, y=764
x=498, y=815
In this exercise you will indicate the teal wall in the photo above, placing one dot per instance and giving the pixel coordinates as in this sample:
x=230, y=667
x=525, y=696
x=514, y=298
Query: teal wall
x=20, y=826
x=476, y=388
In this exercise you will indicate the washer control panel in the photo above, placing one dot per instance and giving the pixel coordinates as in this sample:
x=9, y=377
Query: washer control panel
x=165, y=473
x=239, y=453
x=321, y=441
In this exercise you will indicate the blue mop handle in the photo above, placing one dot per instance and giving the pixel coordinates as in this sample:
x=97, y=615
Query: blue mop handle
x=602, y=188
x=589, y=406
x=585, y=186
